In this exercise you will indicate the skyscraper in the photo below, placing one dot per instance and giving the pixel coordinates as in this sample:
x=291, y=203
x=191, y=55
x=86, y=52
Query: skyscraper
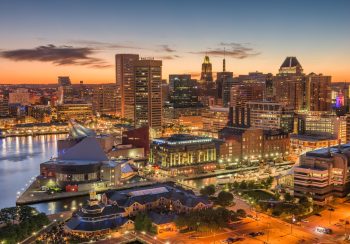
x=148, y=94
x=126, y=84
x=207, y=74
x=291, y=65
x=183, y=91
x=224, y=82
x=290, y=84
x=318, y=92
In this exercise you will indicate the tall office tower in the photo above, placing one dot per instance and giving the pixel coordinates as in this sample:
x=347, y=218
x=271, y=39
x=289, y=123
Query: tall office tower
x=183, y=91
x=4, y=105
x=290, y=66
x=104, y=99
x=126, y=84
x=318, y=92
x=224, y=82
x=290, y=89
x=207, y=74
x=64, y=81
x=290, y=84
x=148, y=94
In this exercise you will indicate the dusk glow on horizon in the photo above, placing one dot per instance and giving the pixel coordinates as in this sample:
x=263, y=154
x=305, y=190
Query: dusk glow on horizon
x=42, y=40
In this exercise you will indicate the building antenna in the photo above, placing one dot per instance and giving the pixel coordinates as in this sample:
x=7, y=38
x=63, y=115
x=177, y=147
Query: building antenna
x=224, y=61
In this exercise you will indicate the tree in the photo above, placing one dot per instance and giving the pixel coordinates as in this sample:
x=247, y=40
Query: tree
x=208, y=190
x=225, y=198
x=288, y=197
x=243, y=185
x=143, y=223
x=304, y=201
x=241, y=213
x=251, y=185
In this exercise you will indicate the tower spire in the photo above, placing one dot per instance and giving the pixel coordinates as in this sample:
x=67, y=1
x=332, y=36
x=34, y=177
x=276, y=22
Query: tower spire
x=224, y=62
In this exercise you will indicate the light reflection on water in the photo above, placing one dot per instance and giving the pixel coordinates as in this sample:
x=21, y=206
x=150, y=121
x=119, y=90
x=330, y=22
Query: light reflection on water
x=20, y=158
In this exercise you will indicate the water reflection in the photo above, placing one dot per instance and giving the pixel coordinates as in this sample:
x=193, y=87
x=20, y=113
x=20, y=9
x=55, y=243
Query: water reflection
x=61, y=205
x=20, y=158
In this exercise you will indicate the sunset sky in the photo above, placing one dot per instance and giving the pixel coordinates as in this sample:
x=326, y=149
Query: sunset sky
x=41, y=40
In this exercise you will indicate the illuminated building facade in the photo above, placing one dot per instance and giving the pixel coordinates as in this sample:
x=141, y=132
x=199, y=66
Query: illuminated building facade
x=207, y=74
x=104, y=99
x=290, y=66
x=184, y=154
x=42, y=113
x=20, y=96
x=323, y=174
x=125, y=80
x=214, y=119
x=243, y=145
x=323, y=123
x=318, y=92
x=4, y=105
x=74, y=111
x=183, y=91
x=270, y=116
x=300, y=144
x=148, y=94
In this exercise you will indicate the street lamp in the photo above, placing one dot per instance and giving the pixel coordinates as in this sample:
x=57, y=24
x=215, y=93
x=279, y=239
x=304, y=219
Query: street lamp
x=268, y=232
x=291, y=225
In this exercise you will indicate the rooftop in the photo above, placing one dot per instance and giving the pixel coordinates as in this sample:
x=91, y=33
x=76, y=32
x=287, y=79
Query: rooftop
x=327, y=152
x=290, y=62
x=178, y=139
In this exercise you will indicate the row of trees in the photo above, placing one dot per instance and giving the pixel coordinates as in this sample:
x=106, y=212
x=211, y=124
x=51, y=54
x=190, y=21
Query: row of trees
x=207, y=220
x=20, y=222
x=287, y=208
x=248, y=185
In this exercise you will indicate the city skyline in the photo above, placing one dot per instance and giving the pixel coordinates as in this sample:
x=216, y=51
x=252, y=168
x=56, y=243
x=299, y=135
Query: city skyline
x=39, y=37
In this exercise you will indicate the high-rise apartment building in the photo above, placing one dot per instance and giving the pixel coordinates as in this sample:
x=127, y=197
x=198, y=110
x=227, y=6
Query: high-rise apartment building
x=290, y=89
x=148, y=94
x=104, y=99
x=318, y=92
x=125, y=79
